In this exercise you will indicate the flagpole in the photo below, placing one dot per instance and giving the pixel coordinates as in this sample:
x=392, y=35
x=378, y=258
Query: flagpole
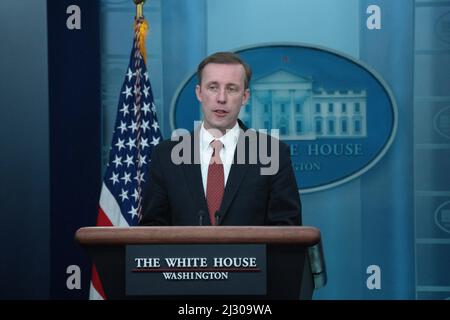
x=139, y=8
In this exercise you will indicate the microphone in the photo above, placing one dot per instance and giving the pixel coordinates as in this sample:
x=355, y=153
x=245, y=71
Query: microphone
x=217, y=217
x=201, y=215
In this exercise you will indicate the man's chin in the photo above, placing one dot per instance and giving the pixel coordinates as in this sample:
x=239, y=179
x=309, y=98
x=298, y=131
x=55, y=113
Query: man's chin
x=221, y=125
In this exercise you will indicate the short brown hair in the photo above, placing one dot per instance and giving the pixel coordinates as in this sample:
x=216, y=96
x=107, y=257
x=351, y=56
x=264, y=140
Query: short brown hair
x=225, y=58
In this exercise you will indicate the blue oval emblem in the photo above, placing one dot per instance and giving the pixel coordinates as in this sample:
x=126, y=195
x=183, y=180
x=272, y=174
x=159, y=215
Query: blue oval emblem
x=338, y=116
x=442, y=27
x=442, y=122
x=442, y=216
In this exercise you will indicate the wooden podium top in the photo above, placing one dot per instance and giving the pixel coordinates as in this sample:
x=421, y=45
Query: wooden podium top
x=91, y=236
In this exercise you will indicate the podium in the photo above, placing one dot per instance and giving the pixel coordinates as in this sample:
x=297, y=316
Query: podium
x=293, y=258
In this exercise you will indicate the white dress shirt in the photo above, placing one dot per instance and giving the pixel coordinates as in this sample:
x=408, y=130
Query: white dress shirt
x=229, y=141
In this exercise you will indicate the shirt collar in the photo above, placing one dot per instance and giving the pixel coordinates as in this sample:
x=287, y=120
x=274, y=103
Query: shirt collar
x=229, y=140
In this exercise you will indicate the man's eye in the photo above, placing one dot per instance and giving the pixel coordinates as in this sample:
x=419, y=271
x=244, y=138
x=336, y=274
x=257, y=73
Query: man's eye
x=232, y=89
x=213, y=88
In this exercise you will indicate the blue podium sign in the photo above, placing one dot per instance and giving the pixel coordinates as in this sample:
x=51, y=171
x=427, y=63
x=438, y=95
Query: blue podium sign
x=200, y=269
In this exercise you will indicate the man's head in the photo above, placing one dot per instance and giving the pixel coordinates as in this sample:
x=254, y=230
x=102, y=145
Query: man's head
x=225, y=58
x=223, y=88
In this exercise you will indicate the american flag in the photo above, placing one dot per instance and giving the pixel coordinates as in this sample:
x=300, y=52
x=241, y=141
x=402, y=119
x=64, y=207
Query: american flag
x=136, y=134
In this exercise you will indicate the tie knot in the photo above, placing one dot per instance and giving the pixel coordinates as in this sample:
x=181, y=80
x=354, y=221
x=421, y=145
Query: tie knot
x=217, y=146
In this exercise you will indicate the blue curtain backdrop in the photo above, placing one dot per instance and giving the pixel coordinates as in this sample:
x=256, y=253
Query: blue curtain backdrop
x=387, y=201
x=24, y=141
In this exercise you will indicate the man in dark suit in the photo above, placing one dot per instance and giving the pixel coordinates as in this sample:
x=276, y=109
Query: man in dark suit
x=222, y=173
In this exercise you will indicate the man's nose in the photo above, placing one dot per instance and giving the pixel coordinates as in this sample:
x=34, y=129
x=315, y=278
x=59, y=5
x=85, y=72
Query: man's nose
x=222, y=96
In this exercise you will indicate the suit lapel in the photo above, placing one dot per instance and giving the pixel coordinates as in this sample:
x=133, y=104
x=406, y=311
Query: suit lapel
x=193, y=175
x=237, y=173
x=235, y=177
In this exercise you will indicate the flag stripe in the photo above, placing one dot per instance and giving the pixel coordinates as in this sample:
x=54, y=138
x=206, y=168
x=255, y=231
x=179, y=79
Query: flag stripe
x=102, y=219
x=111, y=209
x=96, y=291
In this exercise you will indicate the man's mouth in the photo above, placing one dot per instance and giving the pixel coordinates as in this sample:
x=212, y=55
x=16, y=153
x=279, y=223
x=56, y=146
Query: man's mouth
x=220, y=112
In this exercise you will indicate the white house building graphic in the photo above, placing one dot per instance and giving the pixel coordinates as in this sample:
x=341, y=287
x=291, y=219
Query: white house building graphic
x=290, y=103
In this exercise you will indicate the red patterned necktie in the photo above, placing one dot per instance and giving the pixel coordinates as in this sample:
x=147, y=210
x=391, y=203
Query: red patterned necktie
x=215, y=183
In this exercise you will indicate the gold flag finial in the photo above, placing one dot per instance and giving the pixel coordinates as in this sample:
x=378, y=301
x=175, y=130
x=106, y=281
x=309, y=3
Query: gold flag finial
x=139, y=8
x=141, y=28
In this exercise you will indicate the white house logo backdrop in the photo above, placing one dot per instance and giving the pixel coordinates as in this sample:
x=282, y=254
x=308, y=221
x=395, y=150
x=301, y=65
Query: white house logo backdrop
x=337, y=116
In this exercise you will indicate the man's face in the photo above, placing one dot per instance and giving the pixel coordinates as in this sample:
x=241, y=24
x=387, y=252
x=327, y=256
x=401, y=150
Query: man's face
x=222, y=95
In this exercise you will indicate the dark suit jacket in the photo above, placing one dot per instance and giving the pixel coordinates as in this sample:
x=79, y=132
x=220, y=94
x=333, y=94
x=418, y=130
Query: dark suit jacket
x=175, y=195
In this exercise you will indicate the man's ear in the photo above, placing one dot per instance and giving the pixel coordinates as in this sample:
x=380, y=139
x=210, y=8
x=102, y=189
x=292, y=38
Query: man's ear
x=246, y=96
x=197, y=93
